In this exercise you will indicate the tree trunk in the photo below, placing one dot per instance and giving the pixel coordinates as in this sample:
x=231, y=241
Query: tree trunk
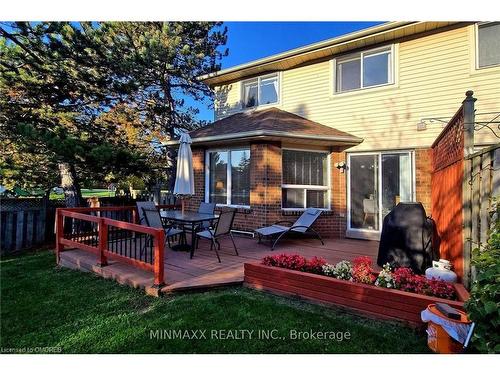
x=70, y=185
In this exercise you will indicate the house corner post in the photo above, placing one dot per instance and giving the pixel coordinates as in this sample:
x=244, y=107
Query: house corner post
x=469, y=121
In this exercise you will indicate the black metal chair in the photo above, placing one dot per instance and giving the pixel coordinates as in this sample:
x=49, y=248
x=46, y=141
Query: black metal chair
x=153, y=219
x=222, y=229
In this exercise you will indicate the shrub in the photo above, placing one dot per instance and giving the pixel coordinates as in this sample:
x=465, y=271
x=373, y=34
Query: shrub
x=385, y=278
x=483, y=307
x=362, y=272
x=295, y=262
x=342, y=270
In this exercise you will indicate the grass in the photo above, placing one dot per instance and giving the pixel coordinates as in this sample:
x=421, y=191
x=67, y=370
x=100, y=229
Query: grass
x=46, y=306
x=87, y=193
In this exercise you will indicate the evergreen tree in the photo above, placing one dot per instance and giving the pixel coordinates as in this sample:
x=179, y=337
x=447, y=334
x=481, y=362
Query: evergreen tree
x=71, y=94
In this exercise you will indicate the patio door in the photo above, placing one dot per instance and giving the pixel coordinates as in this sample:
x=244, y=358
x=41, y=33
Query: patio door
x=376, y=183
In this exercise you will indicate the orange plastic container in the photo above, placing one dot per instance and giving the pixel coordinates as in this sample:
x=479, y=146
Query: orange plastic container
x=438, y=339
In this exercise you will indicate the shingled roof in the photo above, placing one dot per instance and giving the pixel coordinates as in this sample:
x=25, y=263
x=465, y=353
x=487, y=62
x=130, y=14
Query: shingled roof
x=270, y=124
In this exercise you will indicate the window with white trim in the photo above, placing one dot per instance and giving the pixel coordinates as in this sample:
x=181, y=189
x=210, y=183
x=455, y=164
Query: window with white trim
x=260, y=91
x=228, y=177
x=364, y=69
x=488, y=44
x=305, y=179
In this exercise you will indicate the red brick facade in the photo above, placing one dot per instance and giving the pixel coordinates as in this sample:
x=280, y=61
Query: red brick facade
x=265, y=189
x=423, y=173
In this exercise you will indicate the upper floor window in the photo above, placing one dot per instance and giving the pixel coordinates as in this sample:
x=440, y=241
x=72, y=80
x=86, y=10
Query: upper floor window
x=488, y=44
x=260, y=91
x=364, y=69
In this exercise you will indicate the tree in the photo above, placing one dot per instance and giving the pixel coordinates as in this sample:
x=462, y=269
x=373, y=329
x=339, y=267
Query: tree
x=62, y=86
x=52, y=89
x=159, y=64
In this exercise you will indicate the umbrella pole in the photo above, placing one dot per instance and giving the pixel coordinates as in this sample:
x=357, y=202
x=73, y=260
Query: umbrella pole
x=182, y=205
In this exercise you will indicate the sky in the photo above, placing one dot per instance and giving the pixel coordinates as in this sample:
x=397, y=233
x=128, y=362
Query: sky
x=249, y=41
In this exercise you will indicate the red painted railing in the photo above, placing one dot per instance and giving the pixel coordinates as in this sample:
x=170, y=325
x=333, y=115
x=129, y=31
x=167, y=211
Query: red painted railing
x=112, y=233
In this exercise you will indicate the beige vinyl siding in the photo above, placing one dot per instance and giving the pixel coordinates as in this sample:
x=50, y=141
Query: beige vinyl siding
x=227, y=100
x=432, y=73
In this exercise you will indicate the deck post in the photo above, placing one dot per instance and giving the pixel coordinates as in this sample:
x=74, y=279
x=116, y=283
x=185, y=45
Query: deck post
x=469, y=122
x=134, y=216
x=159, y=257
x=103, y=242
x=59, y=234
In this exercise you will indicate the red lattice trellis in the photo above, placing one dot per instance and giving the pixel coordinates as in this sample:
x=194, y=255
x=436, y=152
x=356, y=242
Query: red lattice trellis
x=449, y=146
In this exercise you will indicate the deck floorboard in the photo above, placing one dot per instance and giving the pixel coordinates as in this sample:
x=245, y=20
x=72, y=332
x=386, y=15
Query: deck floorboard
x=204, y=271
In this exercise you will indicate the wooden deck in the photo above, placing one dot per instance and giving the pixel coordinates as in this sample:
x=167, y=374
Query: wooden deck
x=204, y=271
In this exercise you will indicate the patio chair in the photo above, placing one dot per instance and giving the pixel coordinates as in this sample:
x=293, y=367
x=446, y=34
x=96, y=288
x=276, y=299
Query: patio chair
x=222, y=229
x=140, y=206
x=206, y=208
x=301, y=226
x=153, y=219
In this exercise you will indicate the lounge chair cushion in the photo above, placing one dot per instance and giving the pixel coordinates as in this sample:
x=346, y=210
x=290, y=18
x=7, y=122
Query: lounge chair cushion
x=272, y=230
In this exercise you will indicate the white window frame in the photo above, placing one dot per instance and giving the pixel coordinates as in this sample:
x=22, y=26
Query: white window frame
x=259, y=79
x=360, y=55
x=326, y=188
x=476, y=47
x=228, y=175
x=372, y=233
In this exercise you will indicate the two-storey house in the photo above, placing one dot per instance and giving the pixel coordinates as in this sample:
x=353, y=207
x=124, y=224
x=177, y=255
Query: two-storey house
x=345, y=125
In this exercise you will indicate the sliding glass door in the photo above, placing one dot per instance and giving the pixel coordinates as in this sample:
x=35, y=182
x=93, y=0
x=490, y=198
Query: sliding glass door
x=376, y=183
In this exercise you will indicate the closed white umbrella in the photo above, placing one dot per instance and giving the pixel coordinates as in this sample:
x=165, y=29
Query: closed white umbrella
x=184, y=178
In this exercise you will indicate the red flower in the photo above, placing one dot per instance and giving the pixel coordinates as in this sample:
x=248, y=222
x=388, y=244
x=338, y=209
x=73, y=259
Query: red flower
x=362, y=271
x=295, y=262
x=407, y=281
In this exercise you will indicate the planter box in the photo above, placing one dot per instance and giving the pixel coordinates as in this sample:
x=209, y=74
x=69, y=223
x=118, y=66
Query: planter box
x=366, y=299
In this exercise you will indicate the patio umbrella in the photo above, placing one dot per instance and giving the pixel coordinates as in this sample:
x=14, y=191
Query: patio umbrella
x=184, y=178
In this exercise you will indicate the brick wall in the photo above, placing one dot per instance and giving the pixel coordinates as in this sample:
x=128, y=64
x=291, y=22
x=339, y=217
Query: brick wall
x=423, y=174
x=265, y=192
x=199, y=179
x=265, y=189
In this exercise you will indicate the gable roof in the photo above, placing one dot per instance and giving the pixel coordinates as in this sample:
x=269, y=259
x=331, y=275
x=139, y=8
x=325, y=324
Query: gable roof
x=325, y=49
x=270, y=124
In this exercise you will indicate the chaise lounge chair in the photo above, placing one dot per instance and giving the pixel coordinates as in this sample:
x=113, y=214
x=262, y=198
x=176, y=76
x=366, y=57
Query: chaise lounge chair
x=301, y=226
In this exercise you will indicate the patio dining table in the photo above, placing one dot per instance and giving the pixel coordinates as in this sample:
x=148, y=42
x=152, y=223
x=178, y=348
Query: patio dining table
x=188, y=219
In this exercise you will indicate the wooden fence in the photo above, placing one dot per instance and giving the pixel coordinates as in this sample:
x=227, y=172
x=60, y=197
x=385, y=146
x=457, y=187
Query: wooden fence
x=464, y=183
x=446, y=190
x=26, y=223
x=482, y=176
x=30, y=222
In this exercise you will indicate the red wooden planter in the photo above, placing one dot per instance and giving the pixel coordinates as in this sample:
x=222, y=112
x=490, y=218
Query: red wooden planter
x=367, y=299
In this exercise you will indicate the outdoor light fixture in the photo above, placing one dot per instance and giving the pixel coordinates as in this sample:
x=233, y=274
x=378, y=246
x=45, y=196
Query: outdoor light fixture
x=341, y=166
x=421, y=125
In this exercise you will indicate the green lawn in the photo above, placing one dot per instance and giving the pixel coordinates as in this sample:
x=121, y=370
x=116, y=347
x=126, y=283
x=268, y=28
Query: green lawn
x=44, y=306
x=87, y=193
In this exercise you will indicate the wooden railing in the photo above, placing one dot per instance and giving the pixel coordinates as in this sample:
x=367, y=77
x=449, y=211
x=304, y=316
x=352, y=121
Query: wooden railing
x=113, y=233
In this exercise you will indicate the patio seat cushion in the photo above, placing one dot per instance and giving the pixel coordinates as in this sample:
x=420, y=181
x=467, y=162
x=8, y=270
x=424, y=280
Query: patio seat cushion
x=272, y=230
x=208, y=234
